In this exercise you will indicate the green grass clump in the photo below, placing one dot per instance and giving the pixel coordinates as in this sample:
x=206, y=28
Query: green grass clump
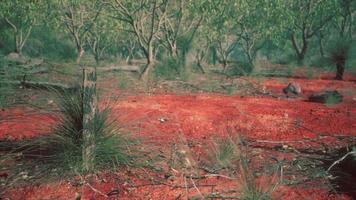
x=232, y=156
x=59, y=154
x=332, y=100
x=251, y=188
x=224, y=153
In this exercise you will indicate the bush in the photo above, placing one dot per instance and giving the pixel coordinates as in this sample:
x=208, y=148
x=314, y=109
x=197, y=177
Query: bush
x=50, y=44
x=239, y=69
x=233, y=155
x=169, y=69
x=5, y=89
x=224, y=154
x=60, y=153
x=338, y=50
x=338, y=54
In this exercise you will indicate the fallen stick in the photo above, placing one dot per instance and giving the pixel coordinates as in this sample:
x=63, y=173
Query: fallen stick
x=39, y=85
x=341, y=159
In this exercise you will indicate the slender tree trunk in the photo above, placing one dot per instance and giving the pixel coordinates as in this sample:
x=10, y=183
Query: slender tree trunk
x=97, y=56
x=174, y=52
x=224, y=63
x=150, y=55
x=17, y=47
x=300, y=52
x=214, y=55
x=321, y=47
x=90, y=108
x=80, y=55
x=201, y=67
x=199, y=57
x=340, y=68
x=146, y=72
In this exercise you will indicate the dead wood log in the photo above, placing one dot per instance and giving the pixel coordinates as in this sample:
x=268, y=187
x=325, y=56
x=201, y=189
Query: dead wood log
x=129, y=68
x=39, y=85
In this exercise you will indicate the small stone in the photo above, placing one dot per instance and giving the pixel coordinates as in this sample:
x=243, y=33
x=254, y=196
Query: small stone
x=292, y=90
x=162, y=119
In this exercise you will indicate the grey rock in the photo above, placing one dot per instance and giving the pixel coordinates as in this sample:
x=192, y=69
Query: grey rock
x=292, y=90
x=17, y=58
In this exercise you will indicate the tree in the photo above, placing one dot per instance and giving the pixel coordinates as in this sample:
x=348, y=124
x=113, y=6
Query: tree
x=90, y=108
x=181, y=23
x=101, y=36
x=78, y=18
x=344, y=20
x=304, y=20
x=21, y=16
x=220, y=26
x=145, y=20
x=259, y=22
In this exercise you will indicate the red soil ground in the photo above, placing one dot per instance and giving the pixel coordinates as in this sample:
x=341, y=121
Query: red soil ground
x=163, y=119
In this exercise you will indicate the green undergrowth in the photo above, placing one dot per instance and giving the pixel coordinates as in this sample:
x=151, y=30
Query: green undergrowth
x=232, y=156
x=60, y=154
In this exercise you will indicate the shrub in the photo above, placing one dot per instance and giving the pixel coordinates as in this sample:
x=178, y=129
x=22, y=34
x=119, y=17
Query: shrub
x=169, y=69
x=224, y=153
x=337, y=53
x=239, y=69
x=5, y=89
x=60, y=153
x=232, y=154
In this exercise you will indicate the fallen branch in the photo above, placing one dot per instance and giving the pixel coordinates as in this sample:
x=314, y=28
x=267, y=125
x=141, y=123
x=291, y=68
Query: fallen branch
x=130, y=68
x=97, y=191
x=39, y=85
x=341, y=159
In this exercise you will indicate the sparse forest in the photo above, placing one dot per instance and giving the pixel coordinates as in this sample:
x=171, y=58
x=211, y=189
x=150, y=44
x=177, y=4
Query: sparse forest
x=177, y=99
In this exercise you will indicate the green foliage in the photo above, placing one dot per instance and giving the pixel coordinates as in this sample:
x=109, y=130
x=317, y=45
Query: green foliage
x=251, y=190
x=239, y=69
x=6, y=40
x=339, y=50
x=6, y=90
x=231, y=154
x=60, y=154
x=50, y=44
x=224, y=153
x=169, y=69
x=27, y=15
x=331, y=99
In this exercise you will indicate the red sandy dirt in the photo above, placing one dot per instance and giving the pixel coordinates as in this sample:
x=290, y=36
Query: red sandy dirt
x=122, y=186
x=20, y=123
x=163, y=119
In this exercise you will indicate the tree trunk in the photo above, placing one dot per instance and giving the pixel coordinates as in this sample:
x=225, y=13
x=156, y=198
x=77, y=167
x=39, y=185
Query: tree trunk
x=150, y=56
x=321, y=47
x=17, y=45
x=97, y=58
x=300, y=52
x=214, y=55
x=129, y=59
x=340, y=67
x=199, y=58
x=90, y=108
x=80, y=55
x=224, y=63
x=303, y=51
x=146, y=73
x=201, y=67
x=174, y=52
